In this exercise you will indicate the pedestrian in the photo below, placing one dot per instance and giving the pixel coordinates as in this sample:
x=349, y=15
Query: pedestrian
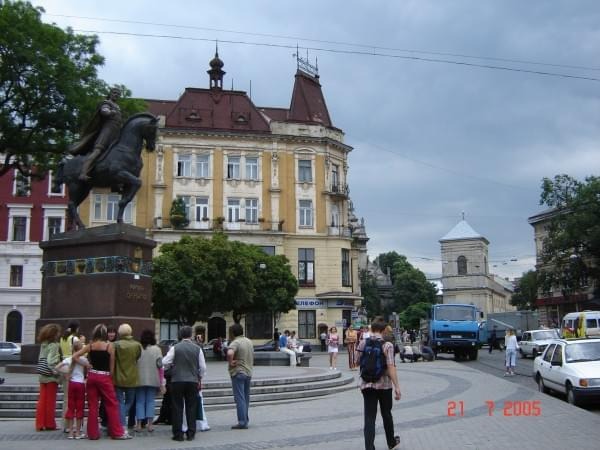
x=351, y=339
x=188, y=368
x=48, y=358
x=492, y=340
x=101, y=356
x=151, y=380
x=276, y=336
x=411, y=336
x=76, y=390
x=333, y=343
x=378, y=377
x=511, y=345
x=201, y=419
x=111, y=336
x=240, y=357
x=283, y=347
x=126, y=377
x=218, y=348
x=427, y=352
x=69, y=337
x=323, y=338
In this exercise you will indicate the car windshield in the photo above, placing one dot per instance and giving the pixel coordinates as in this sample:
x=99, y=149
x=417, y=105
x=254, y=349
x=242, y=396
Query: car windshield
x=546, y=334
x=454, y=313
x=583, y=351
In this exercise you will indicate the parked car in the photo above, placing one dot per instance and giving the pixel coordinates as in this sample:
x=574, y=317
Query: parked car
x=270, y=346
x=534, y=342
x=571, y=367
x=10, y=351
x=168, y=342
x=209, y=347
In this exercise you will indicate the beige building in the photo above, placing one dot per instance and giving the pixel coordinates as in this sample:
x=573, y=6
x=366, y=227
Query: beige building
x=465, y=272
x=273, y=177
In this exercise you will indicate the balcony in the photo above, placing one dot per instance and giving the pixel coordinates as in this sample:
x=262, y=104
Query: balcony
x=339, y=230
x=338, y=190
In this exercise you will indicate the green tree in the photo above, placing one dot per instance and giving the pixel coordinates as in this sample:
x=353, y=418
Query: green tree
x=410, y=318
x=410, y=286
x=386, y=261
x=178, y=216
x=371, y=299
x=526, y=292
x=572, y=245
x=48, y=88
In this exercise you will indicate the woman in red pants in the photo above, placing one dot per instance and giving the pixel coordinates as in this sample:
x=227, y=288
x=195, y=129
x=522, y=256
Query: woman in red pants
x=101, y=357
x=48, y=359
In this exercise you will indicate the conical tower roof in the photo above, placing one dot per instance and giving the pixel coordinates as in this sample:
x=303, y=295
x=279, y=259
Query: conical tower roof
x=462, y=230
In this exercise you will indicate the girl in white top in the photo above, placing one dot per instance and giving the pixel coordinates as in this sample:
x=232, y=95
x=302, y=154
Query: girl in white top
x=333, y=342
x=511, y=345
x=75, y=373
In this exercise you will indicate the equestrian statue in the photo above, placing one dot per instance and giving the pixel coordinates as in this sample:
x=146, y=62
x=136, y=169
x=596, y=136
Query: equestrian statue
x=107, y=155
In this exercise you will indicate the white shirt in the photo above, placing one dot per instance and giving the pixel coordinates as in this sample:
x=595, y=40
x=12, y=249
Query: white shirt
x=168, y=359
x=510, y=342
x=78, y=373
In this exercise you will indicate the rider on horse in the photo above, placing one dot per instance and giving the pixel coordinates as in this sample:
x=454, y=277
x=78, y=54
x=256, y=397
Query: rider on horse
x=100, y=133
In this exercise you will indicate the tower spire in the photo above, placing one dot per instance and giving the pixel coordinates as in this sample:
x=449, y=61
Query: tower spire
x=216, y=71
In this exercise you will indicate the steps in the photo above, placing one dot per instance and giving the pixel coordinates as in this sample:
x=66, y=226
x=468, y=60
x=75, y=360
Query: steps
x=19, y=401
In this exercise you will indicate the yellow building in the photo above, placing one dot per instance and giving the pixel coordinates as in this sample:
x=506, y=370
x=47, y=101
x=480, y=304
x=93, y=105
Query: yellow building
x=274, y=177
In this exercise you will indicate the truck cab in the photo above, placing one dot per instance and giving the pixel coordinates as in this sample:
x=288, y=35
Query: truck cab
x=453, y=328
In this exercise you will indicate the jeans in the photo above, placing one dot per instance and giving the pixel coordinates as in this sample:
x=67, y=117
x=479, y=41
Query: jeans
x=240, y=383
x=184, y=393
x=511, y=358
x=144, y=402
x=291, y=354
x=125, y=397
x=384, y=397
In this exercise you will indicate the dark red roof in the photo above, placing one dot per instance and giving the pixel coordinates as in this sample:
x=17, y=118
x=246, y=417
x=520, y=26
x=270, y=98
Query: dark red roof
x=160, y=107
x=278, y=114
x=308, y=103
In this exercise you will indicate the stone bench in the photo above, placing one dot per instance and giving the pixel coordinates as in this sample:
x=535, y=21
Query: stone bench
x=280, y=359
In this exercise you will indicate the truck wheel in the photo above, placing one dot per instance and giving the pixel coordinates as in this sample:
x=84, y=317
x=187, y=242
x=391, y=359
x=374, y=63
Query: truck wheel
x=473, y=355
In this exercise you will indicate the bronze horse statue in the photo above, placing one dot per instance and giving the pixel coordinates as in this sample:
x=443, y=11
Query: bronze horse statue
x=119, y=168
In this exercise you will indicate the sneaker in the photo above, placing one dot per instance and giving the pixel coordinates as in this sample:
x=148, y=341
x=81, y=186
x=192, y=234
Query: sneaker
x=507, y=374
x=123, y=437
x=397, y=444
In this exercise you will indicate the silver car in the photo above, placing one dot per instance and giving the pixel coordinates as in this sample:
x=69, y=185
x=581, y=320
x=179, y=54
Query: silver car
x=534, y=342
x=10, y=351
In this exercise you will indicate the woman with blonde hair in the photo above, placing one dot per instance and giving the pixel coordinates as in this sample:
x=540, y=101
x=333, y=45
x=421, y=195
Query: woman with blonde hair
x=49, y=357
x=511, y=345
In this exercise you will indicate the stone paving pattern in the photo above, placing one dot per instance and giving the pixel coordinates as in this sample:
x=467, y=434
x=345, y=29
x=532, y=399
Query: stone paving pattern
x=335, y=422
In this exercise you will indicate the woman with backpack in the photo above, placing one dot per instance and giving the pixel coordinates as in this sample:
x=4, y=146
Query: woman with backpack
x=333, y=343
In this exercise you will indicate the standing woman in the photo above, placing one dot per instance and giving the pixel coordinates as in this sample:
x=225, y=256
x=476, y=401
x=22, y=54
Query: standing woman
x=101, y=356
x=351, y=339
x=333, y=343
x=150, y=380
x=511, y=345
x=48, y=359
x=69, y=337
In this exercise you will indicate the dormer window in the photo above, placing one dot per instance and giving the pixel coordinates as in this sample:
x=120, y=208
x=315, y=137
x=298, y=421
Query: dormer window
x=241, y=119
x=194, y=115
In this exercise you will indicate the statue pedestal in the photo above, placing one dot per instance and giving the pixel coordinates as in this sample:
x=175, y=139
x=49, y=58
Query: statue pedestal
x=96, y=275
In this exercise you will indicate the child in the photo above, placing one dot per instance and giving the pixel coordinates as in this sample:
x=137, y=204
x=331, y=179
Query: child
x=76, y=394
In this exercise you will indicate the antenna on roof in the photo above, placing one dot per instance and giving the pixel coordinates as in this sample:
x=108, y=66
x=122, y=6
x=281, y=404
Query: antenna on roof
x=463, y=215
x=232, y=83
x=250, y=89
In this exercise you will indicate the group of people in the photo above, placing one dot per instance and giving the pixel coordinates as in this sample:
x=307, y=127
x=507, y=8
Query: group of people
x=287, y=342
x=120, y=377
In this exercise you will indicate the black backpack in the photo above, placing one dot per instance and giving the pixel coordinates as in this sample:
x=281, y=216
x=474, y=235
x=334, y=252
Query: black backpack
x=372, y=361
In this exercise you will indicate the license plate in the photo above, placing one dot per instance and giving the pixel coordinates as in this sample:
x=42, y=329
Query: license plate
x=455, y=336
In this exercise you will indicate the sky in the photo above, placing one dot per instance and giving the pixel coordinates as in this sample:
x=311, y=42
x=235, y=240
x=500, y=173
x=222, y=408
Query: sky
x=450, y=107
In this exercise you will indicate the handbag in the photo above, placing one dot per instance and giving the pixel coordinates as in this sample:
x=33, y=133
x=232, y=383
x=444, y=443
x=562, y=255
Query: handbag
x=43, y=368
x=200, y=412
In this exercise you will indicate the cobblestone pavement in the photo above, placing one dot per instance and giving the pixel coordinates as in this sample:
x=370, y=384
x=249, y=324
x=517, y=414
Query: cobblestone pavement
x=422, y=419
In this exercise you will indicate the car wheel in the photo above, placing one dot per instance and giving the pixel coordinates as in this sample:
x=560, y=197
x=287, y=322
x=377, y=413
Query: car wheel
x=541, y=387
x=571, y=395
x=534, y=353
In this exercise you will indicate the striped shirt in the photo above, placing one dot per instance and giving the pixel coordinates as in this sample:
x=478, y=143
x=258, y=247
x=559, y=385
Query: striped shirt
x=385, y=381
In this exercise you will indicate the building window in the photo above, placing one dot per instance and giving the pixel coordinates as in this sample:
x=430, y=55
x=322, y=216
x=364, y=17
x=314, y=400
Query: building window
x=201, y=209
x=346, y=267
x=233, y=210
x=461, y=264
x=16, y=276
x=306, y=324
x=202, y=166
x=112, y=207
x=19, y=229
x=335, y=177
x=252, y=168
x=259, y=325
x=251, y=210
x=184, y=165
x=304, y=170
x=22, y=185
x=106, y=208
x=52, y=189
x=186, y=202
x=54, y=225
x=335, y=215
x=14, y=327
x=306, y=213
x=268, y=249
x=306, y=266
x=169, y=330
x=98, y=207
x=233, y=167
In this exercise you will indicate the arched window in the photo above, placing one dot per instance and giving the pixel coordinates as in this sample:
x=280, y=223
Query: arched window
x=14, y=326
x=461, y=264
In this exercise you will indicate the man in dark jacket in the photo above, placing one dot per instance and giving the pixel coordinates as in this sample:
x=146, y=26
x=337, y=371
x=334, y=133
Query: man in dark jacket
x=492, y=340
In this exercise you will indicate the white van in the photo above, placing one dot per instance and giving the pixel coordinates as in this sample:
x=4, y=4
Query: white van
x=581, y=324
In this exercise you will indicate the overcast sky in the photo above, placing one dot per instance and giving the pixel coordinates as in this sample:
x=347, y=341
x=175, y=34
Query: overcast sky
x=431, y=139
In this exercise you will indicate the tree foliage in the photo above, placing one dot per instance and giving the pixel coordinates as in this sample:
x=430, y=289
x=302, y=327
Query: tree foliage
x=410, y=286
x=179, y=218
x=572, y=245
x=195, y=277
x=48, y=88
x=371, y=299
x=386, y=261
x=410, y=318
x=526, y=292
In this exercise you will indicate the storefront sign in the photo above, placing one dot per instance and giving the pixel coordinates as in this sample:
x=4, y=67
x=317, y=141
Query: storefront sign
x=340, y=303
x=310, y=303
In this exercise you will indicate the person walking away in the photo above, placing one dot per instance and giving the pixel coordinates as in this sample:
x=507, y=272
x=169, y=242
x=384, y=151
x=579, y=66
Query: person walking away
x=351, y=339
x=48, y=358
x=101, y=356
x=240, y=358
x=323, y=339
x=126, y=378
x=511, y=345
x=202, y=421
x=378, y=378
x=188, y=368
x=283, y=347
x=492, y=340
x=76, y=389
x=68, y=339
x=150, y=380
x=333, y=343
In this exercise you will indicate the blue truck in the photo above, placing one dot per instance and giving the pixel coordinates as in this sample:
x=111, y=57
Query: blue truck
x=453, y=328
